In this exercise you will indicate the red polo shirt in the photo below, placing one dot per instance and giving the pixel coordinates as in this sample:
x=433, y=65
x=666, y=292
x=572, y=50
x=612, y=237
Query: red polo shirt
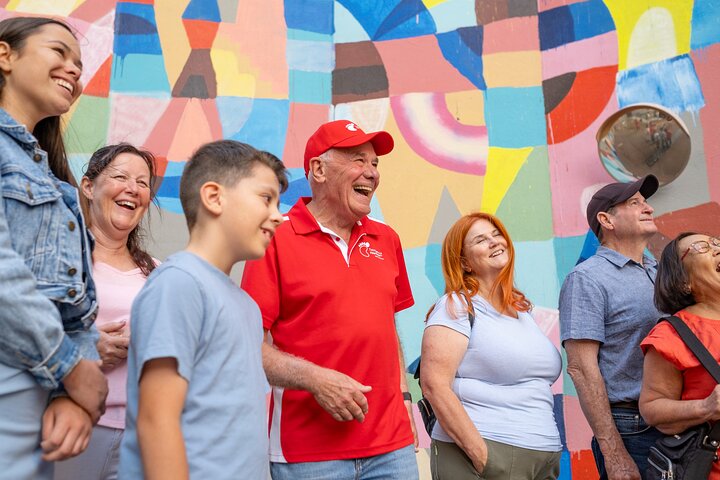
x=337, y=314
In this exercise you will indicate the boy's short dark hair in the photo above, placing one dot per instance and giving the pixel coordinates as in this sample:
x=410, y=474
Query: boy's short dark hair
x=225, y=162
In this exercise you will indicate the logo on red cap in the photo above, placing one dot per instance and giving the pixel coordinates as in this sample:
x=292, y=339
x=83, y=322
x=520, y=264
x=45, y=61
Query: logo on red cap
x=352, y=127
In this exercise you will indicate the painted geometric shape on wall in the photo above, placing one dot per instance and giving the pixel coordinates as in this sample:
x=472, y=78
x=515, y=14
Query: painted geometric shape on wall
x=512, y=110
x=99, y=84
x=488, y=11
x=266, y=127
x=138, y=64
x=452, y=15
x=436, y=136
x=569, y=23
x=202, y=10
x=517, y=34
x=584, y=101
x=359, y=73
x=197, y=79
x=315, y=16
x=200, y=33
x=391, y=19
x=463, y=49
x=705, y=23
x=672, y=83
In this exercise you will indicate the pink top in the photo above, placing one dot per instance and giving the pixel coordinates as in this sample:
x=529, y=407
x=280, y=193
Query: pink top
x=116, y=291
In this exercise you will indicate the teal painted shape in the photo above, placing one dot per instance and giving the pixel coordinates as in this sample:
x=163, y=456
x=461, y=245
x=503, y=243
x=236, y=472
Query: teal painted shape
x=375, y=210
x=535, y=272
x=433, y=267
x=411, y=322
x=295, y=34
x=310, y=87
x=234, y=113
x=78, y=164
x=567, y=253
x=347, y=28
x=310, y=56
x=139, y=73
x=515, y=117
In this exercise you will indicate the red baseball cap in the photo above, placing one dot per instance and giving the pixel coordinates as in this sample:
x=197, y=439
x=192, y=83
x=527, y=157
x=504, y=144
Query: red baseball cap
x=344, y=134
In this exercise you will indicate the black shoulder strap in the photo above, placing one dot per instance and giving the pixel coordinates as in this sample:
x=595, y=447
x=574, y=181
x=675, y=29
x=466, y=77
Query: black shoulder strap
x=696, y=346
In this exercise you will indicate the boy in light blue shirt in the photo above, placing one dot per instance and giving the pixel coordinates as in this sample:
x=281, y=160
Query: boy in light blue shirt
x=196, y=387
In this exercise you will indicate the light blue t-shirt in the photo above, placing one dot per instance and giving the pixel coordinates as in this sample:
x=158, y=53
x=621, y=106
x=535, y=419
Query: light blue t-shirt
x=504, y=379
x=193, y=312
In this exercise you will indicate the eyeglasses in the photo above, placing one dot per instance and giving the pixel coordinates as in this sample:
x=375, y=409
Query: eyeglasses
x=701, y=246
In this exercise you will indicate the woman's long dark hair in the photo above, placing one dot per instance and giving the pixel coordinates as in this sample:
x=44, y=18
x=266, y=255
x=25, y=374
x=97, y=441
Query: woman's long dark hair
x=97, y=164
x=671, y=284
x=15, y=31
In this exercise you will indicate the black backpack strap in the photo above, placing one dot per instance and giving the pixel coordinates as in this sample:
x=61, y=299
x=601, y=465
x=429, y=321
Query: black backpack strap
x=696, y=346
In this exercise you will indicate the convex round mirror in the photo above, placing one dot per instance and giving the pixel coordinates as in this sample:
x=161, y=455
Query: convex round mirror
x=642, y=139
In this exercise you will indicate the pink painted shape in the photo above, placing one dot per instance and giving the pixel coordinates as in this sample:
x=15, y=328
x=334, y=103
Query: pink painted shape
x=548, y=320
x=165, y=129
x=425, y=143
x=515, y=34
x=423, y=437
x=577, y=430
x=416, y=65
x=303, y=120
x=707, y=66
x=126, y=125
x=574, y=166
x=93, y=10
x=193, y=129
x=582, y=55
x=550, y=4
x=96, y=43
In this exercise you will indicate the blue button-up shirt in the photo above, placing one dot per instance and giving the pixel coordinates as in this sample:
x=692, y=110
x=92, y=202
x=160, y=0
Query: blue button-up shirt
x=47, y=296
x=609, y=298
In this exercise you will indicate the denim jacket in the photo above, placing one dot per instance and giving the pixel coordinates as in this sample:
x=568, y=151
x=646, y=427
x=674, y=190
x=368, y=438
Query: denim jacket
x=47, y=295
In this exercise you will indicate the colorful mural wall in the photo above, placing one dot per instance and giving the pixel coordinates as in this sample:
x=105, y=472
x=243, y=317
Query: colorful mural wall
x=494, y=105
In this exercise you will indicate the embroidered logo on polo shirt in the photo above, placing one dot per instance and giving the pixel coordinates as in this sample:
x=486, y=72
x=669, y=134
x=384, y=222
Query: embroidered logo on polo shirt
x=352, y=127
x=366, y=251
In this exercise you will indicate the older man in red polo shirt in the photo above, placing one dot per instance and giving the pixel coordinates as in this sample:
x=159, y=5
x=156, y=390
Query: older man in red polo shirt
x=328, y=288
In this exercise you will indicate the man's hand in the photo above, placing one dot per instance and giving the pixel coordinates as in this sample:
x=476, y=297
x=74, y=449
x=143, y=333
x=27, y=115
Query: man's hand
x=66, y=429
x=112, y=344
x=87, y=386
x=621, y=466
x=341, y=396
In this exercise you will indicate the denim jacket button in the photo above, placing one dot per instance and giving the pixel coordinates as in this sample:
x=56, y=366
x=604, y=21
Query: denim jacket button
x=72, y=292
x=72, y=271
x=71, y=226
x=37, y=157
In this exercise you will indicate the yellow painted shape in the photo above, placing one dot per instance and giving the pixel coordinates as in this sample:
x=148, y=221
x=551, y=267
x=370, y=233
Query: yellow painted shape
x=44, y=7
x=512, y=69
x=173, y=37
x=627, y=14
x=433, y=3
x=502, y=168
x=653, y=38
x=410, y=190
x=467, y=107
x=231, y=81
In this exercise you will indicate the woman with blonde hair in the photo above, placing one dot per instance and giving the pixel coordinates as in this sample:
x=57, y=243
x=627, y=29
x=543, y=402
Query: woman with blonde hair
x=489, y=381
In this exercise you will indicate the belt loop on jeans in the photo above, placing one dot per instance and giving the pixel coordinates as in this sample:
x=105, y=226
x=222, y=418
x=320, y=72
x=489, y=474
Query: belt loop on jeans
x=629, y=405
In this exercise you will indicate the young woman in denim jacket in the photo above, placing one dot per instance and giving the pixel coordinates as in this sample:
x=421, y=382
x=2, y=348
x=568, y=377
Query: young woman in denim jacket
x=51, y=387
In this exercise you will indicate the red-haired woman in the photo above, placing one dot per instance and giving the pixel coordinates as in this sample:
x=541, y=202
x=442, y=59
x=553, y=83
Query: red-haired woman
x=490, y=384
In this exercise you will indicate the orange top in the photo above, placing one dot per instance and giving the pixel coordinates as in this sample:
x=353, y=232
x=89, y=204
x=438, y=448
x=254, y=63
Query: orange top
x=697, y=382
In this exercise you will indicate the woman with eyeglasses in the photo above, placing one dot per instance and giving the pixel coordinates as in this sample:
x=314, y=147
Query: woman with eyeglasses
x=489, y=383
x=116, y=191
x=677, y=391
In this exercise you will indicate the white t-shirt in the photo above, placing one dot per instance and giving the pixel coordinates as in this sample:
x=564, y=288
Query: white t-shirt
x=504, y=379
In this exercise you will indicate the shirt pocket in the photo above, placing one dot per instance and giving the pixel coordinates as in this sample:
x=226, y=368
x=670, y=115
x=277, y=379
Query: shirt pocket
x=34, y=211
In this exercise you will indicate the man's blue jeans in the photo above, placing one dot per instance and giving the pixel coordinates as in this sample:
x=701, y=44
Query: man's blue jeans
x=637, y=436
x=396, y=465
